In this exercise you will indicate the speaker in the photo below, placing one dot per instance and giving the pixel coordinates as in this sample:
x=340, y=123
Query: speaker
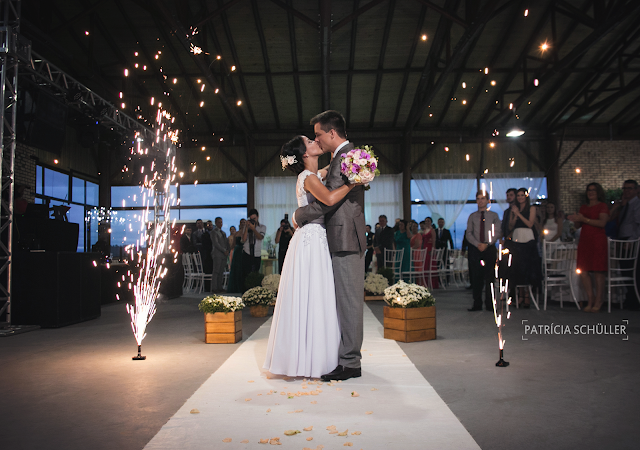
x=42, y=120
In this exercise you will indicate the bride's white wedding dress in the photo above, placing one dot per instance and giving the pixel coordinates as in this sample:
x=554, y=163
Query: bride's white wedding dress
x=305, y=334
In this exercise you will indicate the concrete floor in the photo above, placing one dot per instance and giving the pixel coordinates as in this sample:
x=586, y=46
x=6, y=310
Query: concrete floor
x=77, y=387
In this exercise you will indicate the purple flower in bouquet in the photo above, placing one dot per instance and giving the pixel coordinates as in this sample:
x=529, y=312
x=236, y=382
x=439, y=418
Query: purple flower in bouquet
x=360, y=165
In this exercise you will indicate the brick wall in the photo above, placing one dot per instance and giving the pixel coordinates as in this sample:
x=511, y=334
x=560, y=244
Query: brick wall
x=606, y=162
x=25, y=170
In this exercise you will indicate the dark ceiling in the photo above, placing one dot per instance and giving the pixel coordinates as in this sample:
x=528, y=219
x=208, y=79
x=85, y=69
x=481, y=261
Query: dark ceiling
x=287, y=60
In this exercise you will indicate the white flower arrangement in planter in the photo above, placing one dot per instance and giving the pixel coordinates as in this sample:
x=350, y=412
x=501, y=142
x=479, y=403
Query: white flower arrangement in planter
x=375, y=284
x=408, y=295
x=271, y=282
x=219, y=303
x=258, y=296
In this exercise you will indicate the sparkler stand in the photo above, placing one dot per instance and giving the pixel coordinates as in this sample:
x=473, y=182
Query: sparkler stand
x=501, y=362
x=139, y=357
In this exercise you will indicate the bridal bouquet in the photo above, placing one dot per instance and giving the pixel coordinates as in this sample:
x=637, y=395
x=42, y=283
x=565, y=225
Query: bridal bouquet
x=257, y=296
x=408, y=295
x=219, y=303
x=360, y=165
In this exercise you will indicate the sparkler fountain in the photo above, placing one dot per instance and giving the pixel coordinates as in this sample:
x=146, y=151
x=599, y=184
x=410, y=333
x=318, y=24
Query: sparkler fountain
x=502, y=299
x=156, y=192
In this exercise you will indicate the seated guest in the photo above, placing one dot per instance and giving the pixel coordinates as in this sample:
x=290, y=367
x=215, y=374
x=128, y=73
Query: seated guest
x=382, y=240
x=592, y=246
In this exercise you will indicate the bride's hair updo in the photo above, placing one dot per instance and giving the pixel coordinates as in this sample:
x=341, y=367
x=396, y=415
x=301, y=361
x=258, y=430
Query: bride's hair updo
x=296, y=148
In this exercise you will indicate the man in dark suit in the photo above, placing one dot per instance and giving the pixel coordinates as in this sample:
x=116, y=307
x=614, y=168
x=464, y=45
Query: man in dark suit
x=443, y=235
x=382, y=240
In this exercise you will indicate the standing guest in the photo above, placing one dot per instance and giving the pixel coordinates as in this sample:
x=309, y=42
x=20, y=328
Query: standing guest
x=186, y=241
x=423, y=227
x=481, y=226
x=592, y=247
x=511, y=197
x=232, y=244
x=207, y=247
x=402, y=238
x=429, y=242
x=283, y=236
x=443, y=236
x=567, y=228
x=383, y=240
x=627, y=214
x=235, y=267
x=525, y=265
x=197, y=234
x=219, y=255
x=416, y=244
x=252, y=237
x=550, y=226
x=368, y=256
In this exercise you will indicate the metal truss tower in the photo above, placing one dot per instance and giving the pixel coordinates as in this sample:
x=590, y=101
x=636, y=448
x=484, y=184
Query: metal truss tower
x=13, y=49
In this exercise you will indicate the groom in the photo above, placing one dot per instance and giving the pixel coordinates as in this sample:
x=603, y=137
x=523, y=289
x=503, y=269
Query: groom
x=346, y=235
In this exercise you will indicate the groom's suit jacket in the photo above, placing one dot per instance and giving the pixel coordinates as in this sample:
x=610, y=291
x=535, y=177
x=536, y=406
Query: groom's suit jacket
x=344, y=221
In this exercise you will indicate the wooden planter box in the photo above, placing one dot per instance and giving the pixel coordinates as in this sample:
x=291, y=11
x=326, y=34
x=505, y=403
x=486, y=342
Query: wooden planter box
x=258, y=310
x=223, y=327
x=368, y=297
x=410, y=324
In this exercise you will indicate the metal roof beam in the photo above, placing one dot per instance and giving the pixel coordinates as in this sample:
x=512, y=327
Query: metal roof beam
x=297, y=13
x=407, y=69
x=443, y=11
x=215, y=13
x=265, y=57
x=383, y=49
x=294, y=62
x=355, y=14
x=352, y=55
x=325, y=52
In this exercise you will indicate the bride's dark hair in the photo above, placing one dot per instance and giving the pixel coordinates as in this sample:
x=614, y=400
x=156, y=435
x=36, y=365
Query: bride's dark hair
x=295, y=147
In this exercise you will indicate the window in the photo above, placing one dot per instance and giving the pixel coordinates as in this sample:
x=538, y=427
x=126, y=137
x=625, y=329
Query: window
x=202, y=201
x=54, y=187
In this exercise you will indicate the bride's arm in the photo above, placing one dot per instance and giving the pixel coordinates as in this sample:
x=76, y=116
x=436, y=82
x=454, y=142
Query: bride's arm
x=321, y=193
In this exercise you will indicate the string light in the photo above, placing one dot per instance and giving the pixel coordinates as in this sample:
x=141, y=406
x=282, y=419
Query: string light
x=486, y=70
x=536, y=82
x=424, y=37
x=492, y=144
x=493, y=82
x=126, y=72
x=578, y=170
x=233, y=68
x=201, y=104
x=239, y=102
x=175, y=80
x=526, y=12
x=464, y=85
x=464, y=102
x=446, y=149
x=544, y=46
x=467, y=157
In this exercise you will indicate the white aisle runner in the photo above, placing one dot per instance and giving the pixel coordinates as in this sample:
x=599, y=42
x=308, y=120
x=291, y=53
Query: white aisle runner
x=392, y=406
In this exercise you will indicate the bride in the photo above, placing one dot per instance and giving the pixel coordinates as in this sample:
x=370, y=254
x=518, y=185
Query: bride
x=305, y=334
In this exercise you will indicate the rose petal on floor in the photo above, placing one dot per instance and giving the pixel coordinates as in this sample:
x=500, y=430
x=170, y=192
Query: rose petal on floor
x=308, y=428
x=194, y=411
x=226, y=440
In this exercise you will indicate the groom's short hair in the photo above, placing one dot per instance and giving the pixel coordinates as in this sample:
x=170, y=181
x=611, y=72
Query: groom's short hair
x=331, y=120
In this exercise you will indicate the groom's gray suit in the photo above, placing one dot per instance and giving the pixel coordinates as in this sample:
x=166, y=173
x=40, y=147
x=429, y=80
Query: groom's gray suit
x=347, y=240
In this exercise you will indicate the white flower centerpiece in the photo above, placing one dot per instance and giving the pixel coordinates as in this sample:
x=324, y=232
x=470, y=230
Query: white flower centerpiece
x=222, y=319
x=219, y=303
x=271, y=282
x=408, y=295
x=258, y=299
x=410, y=313
x=374, y=286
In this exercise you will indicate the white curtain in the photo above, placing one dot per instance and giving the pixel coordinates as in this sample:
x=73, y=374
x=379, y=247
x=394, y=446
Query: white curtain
x=498, y=183
x=445, y=195
x=384, y=197
x=275, y=197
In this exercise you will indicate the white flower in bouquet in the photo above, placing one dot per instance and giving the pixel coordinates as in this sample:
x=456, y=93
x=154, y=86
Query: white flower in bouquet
x=257, y=296
x=271, y=282
x=408, y=295
x=375, y=284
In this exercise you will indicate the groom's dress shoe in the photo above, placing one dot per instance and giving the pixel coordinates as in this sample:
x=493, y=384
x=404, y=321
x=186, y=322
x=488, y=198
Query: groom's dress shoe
x=342, y=373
